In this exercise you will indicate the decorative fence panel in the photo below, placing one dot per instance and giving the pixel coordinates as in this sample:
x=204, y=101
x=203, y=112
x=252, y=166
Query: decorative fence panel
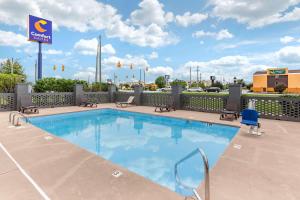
x=281, y=108
x=204, y=103
x=7, y=101
x=156, y=99
x=123, y=96
x=55, y=99
x=97, y=97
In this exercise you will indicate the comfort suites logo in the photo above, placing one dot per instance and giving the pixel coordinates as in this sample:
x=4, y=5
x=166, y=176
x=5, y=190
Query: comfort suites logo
x=38, y=27
x=39, y=30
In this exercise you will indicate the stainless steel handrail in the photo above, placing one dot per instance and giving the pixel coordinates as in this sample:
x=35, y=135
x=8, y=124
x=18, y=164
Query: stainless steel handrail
x=11, y=113
x=206, y=170
x=14, y=116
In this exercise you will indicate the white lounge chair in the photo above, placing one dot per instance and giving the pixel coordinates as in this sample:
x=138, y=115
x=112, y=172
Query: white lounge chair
x=126, y=103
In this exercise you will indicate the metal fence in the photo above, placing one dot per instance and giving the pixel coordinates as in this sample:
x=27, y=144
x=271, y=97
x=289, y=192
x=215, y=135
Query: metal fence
x=7, y=101
x=204, y=103
x=56, y=99
x=156, y=99
x=123, y=96
x=97, y=97
x=281, y=108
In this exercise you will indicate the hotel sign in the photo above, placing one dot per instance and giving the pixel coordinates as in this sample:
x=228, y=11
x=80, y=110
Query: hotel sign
x=39, y=30
x=278, y=71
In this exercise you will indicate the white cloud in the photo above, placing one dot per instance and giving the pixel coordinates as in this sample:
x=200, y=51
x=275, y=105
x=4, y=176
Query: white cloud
x=153, y=55
x=88, y=74
x=287, y=39
x=136, y=61
x=289, y=55
x=188, y=19
x=89, y=15
x=222, y=34
x=160, y=71
x=256, y=13
x=53, y=52
x=150, y=12
x=168, y=59
x=89, y=47
x=12, y=39
x=236, y=45
x=227, y=67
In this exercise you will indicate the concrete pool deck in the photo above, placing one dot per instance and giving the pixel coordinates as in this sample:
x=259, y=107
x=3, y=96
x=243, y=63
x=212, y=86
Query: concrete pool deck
x=251, y=168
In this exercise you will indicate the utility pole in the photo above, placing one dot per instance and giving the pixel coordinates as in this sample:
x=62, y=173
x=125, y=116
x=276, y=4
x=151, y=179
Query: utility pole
x=140, y=75
x=197, y=76
x=100, y=63
x=190, y=76
x=12, y=66
x=144, y=76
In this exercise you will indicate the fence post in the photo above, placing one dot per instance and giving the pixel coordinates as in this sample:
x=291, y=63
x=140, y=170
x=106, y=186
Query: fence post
x=21, y=91
x=111, y=93
x=78, y=94
x=176, y=94
x=235, y=95
x=138, y=90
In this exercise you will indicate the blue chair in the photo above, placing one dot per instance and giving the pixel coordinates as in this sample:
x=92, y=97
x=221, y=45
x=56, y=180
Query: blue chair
x=250, y=118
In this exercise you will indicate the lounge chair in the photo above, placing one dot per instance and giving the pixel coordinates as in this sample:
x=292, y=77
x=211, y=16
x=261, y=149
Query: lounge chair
x=250, y=118
x=166, y=107
x=126, y=103
x=29, y=109
x=86, y=103
x=230, y=112
x=27, y=106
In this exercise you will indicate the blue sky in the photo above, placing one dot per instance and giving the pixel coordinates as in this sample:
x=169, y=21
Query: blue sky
x=225, y=38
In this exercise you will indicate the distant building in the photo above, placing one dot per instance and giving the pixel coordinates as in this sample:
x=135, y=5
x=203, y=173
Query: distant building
x=266, y=81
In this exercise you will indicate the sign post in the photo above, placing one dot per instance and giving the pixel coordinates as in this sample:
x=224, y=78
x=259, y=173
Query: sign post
x=39, y=30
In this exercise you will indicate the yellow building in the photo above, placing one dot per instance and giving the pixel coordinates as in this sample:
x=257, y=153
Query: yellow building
x=266, y=81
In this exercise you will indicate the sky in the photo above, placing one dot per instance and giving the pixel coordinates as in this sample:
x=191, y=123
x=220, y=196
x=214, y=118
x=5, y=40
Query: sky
x=223, y=38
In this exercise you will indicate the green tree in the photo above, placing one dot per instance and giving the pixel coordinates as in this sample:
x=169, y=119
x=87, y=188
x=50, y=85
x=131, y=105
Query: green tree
x=218, y=84
x=9, y=81
x=241, y=82
x=57, y=85
x=160, y=82
x=179, y=82
x=12, y=66
x=200, y=84
x=96, y=87
x=280, y=88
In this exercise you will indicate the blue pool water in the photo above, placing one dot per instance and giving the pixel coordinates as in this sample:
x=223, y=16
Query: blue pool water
x=145, y=144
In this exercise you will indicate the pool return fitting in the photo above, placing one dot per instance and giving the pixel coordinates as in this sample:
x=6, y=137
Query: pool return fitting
x=206, y=171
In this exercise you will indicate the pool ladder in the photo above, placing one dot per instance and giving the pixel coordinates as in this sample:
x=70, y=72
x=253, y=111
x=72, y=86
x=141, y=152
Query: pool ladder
x=13, y=115
x=206, y=171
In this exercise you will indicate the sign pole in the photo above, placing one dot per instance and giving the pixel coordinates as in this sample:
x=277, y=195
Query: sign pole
x=40, y=65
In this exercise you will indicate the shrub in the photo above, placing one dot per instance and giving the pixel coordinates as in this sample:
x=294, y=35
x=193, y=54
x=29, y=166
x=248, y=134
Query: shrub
x=57, y=85
x=9, y=81
x=280, y=88
x=96, y=87
x=179, y=82
x=160, y=82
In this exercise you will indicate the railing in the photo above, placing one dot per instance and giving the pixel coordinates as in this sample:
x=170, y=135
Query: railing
x=97, y=97
x=123, y=96
x=7, y=101
x=281, y=108
x=13, y=115
x=204, y=103
x=54, y=99
x=206, y=175
x=156, y=99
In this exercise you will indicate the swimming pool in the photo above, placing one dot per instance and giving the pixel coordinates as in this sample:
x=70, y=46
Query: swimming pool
x=148, y=145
